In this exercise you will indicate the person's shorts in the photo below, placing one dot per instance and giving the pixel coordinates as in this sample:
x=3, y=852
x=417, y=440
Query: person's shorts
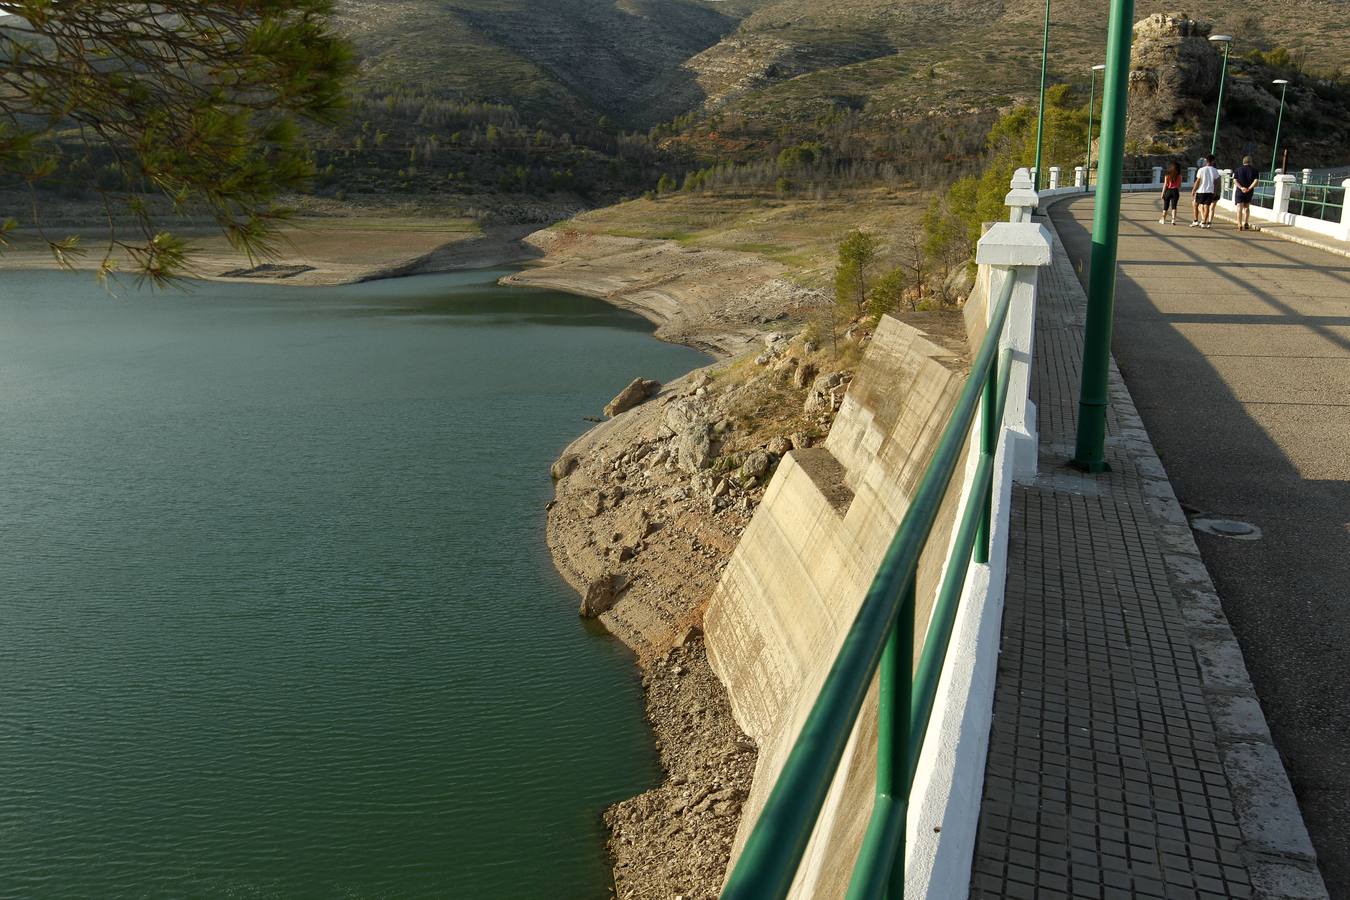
x=1204, y=199
x=1244, y=198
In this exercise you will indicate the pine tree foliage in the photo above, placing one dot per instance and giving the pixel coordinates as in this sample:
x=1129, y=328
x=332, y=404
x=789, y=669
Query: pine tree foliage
x=197, y=102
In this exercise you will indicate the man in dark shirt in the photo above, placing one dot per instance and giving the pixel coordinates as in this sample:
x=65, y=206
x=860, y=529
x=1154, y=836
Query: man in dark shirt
x=1245, y=178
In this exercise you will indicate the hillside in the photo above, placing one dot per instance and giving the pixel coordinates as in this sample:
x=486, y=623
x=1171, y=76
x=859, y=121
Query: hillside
x=555, y=100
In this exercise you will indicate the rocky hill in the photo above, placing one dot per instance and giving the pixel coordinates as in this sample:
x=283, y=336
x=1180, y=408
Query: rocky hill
x=560, y=97
x=638, y=62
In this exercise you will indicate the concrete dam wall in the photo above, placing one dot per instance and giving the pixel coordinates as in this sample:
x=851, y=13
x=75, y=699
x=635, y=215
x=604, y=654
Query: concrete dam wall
x=794, y=584
x=802, y=567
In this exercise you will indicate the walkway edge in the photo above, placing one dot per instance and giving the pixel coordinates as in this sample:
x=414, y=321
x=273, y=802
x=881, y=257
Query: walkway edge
x=1276, y=845
x=1287, y=233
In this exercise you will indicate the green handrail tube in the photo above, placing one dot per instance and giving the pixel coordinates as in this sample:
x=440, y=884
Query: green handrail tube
x=769, y=861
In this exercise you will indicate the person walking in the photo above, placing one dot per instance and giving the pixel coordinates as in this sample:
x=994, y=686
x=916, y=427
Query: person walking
x=1205, y=192
x=1171, y=192
x=1245, y=179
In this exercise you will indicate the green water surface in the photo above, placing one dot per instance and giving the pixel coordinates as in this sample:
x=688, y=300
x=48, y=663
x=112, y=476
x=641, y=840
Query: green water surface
x=276, y=614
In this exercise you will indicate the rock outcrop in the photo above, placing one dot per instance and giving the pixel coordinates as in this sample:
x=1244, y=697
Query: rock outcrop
x=639, y=390
x=1174, y=74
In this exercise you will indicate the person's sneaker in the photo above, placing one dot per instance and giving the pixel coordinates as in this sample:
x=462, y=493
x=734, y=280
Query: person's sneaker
x=1195, y=224
x=1162, y=221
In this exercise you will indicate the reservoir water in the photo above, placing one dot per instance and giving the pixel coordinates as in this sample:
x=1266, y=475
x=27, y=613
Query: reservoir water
x=276, y=614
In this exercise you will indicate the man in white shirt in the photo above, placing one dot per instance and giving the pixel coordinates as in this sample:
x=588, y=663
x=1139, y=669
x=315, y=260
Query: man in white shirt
x=1205, y=192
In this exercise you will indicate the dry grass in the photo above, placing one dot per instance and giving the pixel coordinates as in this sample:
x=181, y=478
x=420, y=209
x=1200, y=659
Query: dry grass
x=802, y=234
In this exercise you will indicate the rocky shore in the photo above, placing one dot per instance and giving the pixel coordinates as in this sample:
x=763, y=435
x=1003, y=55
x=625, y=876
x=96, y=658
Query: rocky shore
x=650, y=503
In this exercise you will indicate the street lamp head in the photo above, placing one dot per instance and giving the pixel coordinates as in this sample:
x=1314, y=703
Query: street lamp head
x=1221, y=38
x=1280, y=81
x=1099, y=67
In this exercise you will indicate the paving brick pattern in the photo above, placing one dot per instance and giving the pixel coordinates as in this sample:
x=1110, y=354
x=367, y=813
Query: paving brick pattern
x=1104, y=777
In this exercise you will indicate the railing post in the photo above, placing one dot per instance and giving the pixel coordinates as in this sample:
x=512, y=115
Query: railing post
x=1345, y=210
x=1190, y=174
x=1022, y=199
x=1307, y=176
x=1157, y=175
x=1227, y=182
x=895, y=688
x=1054, y=177
x=1079, y=179
x=1017, y=252
x=1284, y=186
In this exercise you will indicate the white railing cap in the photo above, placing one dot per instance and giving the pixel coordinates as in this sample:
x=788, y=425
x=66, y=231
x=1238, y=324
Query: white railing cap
x=1014, y=244
x=1022, y=197
x=1287, y=179
x=1021, y=180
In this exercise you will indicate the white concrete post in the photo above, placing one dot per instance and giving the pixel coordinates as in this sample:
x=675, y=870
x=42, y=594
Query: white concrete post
x=1079, y=177
x=1345, y=210
x=1307, y=175
x=1157, y=175
x=1017, y=251
x=1190, y=174
x=1228, y=188
x=1054, y=177
x=1283, y=188
x=1022, y=199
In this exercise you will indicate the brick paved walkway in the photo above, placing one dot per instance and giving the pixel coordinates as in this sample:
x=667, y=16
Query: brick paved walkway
x=1106, y=775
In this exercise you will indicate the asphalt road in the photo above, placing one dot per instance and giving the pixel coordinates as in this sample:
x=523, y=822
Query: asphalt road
x=1236, y=348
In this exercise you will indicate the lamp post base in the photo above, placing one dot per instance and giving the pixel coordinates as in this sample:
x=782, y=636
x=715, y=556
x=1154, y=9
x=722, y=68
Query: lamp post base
x=1091, y=466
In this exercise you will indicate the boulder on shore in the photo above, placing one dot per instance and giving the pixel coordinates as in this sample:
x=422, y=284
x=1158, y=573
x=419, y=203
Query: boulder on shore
x=639, y=390
x=599, y=597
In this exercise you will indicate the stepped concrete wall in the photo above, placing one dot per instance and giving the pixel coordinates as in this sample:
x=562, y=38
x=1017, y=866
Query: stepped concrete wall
x=794, y=584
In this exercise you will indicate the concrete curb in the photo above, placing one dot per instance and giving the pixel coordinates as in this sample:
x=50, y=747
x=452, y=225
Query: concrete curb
x=1276, y=846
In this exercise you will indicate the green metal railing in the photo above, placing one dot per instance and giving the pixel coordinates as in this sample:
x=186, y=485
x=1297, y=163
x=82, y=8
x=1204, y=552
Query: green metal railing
x=1317, y=201
x=882, y=638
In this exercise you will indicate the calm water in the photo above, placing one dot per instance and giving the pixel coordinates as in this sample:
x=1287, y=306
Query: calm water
x=276, y=615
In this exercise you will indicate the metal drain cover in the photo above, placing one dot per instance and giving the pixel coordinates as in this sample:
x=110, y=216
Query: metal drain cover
x=1229, y=528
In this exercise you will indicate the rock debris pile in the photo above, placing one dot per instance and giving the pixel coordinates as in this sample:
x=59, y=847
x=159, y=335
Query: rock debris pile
x=649, y=506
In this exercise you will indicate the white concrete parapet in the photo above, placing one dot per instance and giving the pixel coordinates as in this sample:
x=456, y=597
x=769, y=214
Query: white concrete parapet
x=1079, y=177
x=1307, y=176
x=1054, y=177
x=1283, y=188
x=1022, y=199
x=1018, y=251
x=1157, y=175
x=1345, y=210
x=1190, y=174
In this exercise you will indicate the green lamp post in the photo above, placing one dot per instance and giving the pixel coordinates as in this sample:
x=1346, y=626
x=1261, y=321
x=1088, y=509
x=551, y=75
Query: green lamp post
x=1274, y=152
x=1090, y=448
x=1040, y=115
x=1227, y=41
x=1092, y=101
